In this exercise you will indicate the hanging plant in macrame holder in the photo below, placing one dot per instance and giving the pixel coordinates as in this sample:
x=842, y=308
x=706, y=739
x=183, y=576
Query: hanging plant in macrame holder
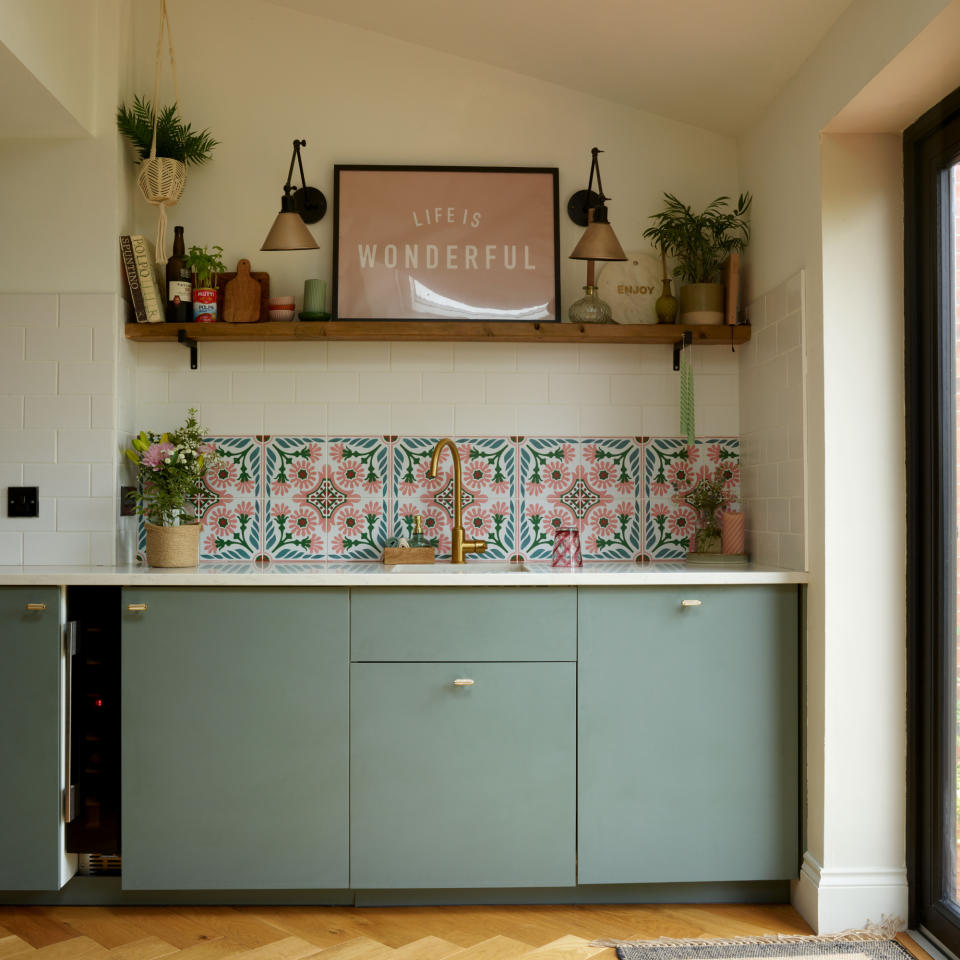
x=161, y=179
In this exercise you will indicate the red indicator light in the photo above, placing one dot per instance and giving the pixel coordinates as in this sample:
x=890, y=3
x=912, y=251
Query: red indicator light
x=98, y=702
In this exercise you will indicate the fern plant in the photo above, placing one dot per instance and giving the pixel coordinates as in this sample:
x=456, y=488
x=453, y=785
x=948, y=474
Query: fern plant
x=700, y=242
x=175, y=139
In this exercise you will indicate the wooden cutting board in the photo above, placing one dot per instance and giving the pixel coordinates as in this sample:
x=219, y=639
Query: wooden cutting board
x=245, y=295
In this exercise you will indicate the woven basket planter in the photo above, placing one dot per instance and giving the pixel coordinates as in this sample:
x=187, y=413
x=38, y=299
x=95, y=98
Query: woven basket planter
x=173, y=546
x=161, y=180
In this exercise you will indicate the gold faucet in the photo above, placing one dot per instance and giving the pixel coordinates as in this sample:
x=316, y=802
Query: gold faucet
x=460, y=544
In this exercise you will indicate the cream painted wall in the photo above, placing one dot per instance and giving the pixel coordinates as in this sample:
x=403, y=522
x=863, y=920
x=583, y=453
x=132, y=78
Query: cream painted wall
x=854, y=867
x=259, y=75
x=63, y=196
x=55, y=40
x=360, y=97
x=64, y=203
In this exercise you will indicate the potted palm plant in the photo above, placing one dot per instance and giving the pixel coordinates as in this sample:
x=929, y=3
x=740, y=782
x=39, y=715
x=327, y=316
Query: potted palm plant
x=170, y=470
x=206, y=267
x=700, y=243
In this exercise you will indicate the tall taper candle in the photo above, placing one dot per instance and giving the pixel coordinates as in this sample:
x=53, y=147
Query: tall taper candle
x=731, y=532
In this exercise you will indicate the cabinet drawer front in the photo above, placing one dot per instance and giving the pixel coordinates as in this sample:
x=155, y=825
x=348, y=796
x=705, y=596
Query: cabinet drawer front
x=462, y=786
x=688, y=734
x=30, y=820
x=235, y=740
x=463, y=623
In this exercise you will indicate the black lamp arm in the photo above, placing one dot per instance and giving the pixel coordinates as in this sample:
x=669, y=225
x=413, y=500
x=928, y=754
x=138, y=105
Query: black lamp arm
x=288, y=188
x=595, y=168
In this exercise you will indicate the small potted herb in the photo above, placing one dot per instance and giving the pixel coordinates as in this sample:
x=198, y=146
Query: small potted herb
x=708, y=496
x=170, y=470
x=206, y=268
x=700, y=244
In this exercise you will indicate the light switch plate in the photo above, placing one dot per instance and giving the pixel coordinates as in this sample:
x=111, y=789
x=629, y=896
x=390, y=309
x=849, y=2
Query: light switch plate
x=23, y=501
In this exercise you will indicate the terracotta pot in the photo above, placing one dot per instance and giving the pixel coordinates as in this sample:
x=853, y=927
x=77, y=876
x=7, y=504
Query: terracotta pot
x=173, y=546
x=702, y=303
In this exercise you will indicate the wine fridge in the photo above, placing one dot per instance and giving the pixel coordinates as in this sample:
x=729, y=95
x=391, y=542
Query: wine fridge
x=92, y=797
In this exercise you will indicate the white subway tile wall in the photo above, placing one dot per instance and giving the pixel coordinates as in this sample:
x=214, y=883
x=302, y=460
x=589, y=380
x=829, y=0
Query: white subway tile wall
x=58, y=402
x=464, y=388
x=772, y=418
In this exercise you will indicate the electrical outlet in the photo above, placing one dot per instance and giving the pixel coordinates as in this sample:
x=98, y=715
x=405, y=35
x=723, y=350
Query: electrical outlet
x=23, y=501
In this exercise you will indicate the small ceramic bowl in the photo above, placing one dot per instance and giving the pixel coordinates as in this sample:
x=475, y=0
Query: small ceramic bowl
x=286, y=314
x=281, y=303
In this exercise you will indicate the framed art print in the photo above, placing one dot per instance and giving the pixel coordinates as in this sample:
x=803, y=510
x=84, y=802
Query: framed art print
x=446, y=243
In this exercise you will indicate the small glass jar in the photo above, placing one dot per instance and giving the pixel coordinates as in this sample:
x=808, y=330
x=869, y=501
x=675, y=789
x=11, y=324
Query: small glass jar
x=566, y=548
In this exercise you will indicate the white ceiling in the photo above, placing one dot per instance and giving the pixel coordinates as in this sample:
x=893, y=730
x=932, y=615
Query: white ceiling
x=713, y=63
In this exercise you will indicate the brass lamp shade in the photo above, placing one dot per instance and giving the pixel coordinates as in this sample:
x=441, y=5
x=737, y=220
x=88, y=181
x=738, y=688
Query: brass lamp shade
x=289, y=232
x=598, y=242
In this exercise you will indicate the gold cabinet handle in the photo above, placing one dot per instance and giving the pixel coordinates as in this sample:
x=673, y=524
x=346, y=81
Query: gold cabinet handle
x=463, y=682
x=36, y=606
x=136, y=607
x=691, y=603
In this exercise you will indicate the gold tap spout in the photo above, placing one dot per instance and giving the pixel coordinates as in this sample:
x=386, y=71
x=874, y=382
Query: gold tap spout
x=460, y=545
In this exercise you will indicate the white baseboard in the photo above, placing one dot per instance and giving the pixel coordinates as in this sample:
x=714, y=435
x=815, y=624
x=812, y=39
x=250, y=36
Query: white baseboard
x=838, y=899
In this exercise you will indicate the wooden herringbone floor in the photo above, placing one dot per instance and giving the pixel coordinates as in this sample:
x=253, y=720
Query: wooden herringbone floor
x=373, y=933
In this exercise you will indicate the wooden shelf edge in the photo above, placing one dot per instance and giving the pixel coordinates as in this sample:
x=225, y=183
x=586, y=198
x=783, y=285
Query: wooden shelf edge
x=437, y=331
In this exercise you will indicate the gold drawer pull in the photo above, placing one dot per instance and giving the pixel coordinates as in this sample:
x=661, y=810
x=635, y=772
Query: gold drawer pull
x=136, y=607
x=462, y=682
x=36, y=606
x=691, y=603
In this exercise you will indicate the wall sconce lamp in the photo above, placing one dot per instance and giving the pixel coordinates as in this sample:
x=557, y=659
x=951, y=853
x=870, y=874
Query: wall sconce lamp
x=297, y=209
x=599, y=242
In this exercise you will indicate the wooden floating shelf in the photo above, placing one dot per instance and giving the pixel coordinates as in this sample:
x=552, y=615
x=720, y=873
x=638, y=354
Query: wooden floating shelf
x=460, y=331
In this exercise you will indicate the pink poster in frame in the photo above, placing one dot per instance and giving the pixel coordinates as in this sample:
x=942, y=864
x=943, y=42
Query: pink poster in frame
x=446, y=243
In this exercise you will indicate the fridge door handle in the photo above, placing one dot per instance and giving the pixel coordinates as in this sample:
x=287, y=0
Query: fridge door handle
x=70, y=790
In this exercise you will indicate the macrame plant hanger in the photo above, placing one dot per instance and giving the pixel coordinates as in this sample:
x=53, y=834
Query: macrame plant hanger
x=161, y=179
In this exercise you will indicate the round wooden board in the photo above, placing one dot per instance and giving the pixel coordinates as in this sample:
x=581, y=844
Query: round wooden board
x=632, y=287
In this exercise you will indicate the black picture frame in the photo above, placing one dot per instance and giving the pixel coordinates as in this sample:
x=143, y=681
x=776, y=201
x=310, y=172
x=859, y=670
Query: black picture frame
x=554, y=315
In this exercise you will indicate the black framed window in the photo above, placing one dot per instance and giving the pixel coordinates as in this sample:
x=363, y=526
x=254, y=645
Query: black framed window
x=931, y=156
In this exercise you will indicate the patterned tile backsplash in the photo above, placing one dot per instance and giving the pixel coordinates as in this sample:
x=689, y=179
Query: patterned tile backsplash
x=339, y=498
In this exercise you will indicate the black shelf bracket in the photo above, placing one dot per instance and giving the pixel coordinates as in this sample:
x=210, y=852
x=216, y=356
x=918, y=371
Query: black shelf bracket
x=192, y=344
x=685, y=341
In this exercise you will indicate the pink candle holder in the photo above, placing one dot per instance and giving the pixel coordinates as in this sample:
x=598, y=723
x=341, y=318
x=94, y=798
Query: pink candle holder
x=566, y=548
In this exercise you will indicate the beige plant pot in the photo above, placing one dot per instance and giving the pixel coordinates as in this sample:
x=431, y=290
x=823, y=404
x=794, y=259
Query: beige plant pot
x=702, y=303
x=173, y=546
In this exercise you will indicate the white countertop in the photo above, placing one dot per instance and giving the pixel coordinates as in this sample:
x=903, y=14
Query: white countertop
x=477, y=573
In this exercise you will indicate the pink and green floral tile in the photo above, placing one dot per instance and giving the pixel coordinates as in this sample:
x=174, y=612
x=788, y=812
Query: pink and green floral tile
x=591, y=484
x=231, y=529
x=488, y=501
x=325, y=498
x=672, y=467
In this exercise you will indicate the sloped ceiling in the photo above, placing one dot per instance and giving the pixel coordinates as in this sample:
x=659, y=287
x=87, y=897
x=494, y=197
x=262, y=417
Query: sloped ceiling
x=713, y=63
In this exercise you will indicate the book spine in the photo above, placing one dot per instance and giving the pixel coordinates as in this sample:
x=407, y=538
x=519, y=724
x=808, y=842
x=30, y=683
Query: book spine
x=153, y=305
x=133, y=279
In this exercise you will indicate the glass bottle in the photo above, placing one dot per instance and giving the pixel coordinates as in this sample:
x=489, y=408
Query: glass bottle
x=590, y=309
x=179, y=287
x=417, y=538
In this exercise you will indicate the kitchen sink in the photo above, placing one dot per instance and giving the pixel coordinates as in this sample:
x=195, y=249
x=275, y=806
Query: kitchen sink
x=445, y=566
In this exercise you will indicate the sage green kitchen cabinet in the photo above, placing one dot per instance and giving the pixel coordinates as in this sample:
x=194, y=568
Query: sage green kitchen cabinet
x=235, y=738
x=31, y=721
x=688, y=734
x=463, y=623
x=470, y=785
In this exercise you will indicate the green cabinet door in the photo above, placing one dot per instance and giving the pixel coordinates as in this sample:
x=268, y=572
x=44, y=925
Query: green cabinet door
x=688, y=734
x=235, y=739
x=462, y=785
x=31, y=764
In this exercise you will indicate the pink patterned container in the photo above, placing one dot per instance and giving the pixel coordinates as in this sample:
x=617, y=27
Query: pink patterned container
x=566, y=548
